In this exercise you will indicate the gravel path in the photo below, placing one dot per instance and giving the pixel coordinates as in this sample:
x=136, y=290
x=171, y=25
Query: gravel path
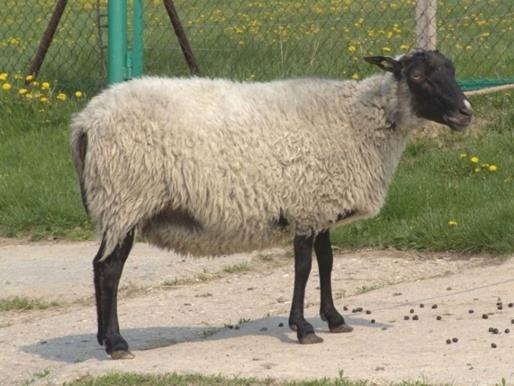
x=176, y=313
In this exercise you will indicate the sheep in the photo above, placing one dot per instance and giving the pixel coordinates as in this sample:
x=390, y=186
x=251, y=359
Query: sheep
x=213, y=166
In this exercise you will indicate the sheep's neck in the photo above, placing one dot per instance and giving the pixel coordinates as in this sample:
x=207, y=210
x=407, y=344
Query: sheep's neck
x=388, y=128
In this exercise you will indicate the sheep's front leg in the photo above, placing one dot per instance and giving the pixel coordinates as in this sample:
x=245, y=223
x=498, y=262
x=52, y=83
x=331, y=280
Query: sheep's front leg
x=107, y=273
x=302, y=269
x=328, y=311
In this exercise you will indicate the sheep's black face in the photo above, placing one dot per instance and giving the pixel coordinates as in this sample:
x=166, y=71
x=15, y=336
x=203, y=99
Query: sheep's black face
x=436, y=96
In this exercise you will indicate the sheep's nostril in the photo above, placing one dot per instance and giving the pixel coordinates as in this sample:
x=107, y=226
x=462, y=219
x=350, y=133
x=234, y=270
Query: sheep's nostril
x=466, y=111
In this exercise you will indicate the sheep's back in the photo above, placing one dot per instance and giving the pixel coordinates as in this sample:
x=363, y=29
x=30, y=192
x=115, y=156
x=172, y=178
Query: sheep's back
x=237, y=157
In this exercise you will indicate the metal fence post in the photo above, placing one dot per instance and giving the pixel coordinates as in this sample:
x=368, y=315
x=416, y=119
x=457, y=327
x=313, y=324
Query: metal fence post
x=117, y=41
x=137, y=38
x=426, y=27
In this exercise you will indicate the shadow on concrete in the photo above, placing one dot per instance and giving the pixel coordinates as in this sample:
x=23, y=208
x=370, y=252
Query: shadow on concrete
x=82, y=347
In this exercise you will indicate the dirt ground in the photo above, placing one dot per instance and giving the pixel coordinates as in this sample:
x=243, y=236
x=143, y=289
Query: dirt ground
x=228, y=316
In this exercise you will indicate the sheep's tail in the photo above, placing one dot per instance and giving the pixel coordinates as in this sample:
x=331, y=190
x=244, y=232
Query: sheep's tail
x=78, y=151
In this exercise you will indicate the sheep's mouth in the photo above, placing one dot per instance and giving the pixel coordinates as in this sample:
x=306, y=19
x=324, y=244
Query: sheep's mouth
x=458, y=121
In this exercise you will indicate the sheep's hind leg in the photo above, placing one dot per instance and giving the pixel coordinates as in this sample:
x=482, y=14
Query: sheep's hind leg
x=302, y=267
x=328, y=312
x=107, y=273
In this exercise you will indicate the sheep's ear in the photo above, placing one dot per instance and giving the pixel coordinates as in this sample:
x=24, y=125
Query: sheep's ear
x=385, y=63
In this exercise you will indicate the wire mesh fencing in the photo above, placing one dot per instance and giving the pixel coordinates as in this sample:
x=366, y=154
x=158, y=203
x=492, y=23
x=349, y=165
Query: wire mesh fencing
x=265, y=39
x=75, y=56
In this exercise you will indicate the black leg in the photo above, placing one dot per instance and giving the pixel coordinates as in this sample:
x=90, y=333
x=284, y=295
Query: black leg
x=325, y=258
x=302, y=269
x=98, y=294
x=107, y=276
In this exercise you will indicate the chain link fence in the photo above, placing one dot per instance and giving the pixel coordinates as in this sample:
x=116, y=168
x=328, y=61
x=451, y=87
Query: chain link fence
x=263, y=39
x=74, y=58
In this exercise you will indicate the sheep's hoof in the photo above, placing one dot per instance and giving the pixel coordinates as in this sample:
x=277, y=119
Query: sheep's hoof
x=311, y=338
x=293, y=327
x=341, y=328
x=122, y=354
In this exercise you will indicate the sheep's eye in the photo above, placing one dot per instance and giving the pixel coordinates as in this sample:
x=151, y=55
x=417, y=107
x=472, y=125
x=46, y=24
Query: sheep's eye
x=416, y=76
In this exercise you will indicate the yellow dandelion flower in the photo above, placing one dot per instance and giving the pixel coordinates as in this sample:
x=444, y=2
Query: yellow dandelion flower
x=356, y=76
x=386, y=49
x=29, y=78
x=452, y=223
x=404, y=47
x=61, y=96
x=3, y=76
x=78, y=94
x=23, y=91
x=477, y=170
x=6, y=86
x=474, y=159
x=352, y=49
x=43, y=100
x=492, y=168
x=45, y=86
x=463, y=155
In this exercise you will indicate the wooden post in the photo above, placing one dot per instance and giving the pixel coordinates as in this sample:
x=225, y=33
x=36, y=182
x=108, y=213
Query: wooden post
x=426, y=27
x=46, y=40
x=181, y=36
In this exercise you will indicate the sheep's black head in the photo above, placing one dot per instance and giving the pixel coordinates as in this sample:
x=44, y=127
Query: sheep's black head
x=436, y=96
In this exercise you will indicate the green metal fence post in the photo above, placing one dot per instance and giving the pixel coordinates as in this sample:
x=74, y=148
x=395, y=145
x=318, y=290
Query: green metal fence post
x=137, y=38
x=117, y=41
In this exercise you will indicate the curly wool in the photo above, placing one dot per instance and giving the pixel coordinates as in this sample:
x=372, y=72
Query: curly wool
x=211, y=166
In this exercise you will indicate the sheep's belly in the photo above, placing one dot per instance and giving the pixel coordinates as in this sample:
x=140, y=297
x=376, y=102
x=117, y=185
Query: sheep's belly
x=177, y=230
x=191, y=240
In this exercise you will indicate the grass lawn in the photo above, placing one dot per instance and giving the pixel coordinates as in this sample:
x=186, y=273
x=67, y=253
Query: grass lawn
x=202, y=380
x=438, y=202
x=439, y=199
x=23, y=304
x=261, y=39
x=451, y=195
x=39, y=195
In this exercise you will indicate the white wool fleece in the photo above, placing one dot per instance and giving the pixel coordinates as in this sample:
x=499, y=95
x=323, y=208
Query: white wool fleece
x=209, y=166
